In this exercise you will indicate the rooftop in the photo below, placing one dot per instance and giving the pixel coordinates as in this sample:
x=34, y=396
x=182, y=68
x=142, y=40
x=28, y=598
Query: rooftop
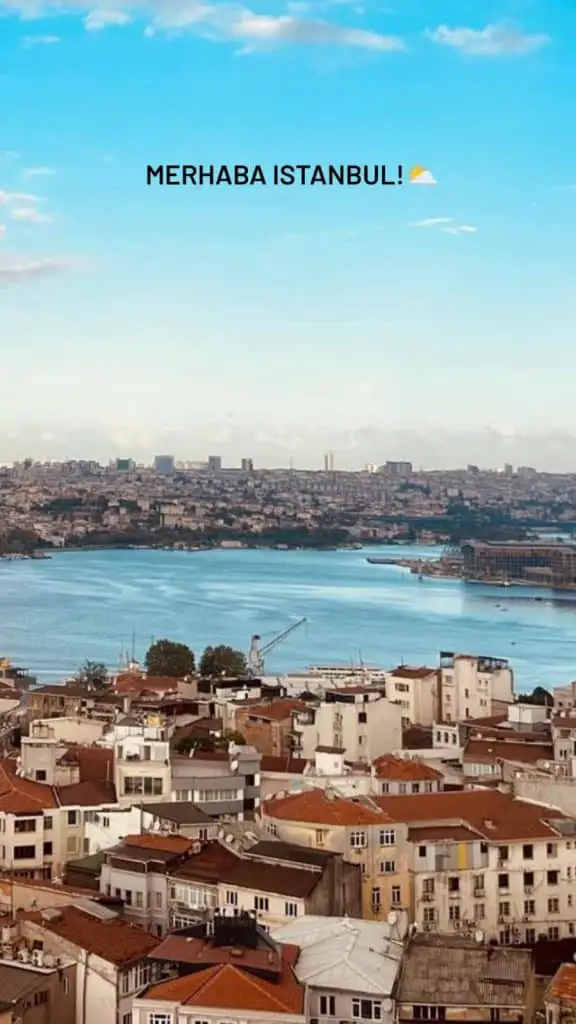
x=405, y=770
x=179, y=812
x=325, y=807
x=490, y=751
x=563, y=984
x=412, y=672
x=464, y=973
x=229, y=987
x=110, y=938
x=22, y=796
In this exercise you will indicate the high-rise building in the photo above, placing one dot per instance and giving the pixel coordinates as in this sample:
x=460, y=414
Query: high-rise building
x=164, y=463
x=214, y=463
x=124, y=465
x=329, y=462
x=247, y=465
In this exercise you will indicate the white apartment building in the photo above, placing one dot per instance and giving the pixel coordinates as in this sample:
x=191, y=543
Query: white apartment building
x=142, y=770
x=415, y=689
x=473, y=687
x=359, y=721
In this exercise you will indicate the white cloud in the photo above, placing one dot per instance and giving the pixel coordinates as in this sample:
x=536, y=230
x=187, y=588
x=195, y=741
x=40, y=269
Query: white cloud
x=491, y=41
x=461, y=229
x=39, y=172
x=98, y=19
x=430, y=222
x=424, y=178
x=266, y=28
x=29, y=41
x=30, y=215
x=18, y=197
x=15, y=269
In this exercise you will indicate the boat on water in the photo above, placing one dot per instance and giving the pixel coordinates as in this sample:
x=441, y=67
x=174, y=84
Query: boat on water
x=382, y=561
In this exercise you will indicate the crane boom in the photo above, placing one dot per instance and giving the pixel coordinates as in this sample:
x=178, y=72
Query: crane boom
x=255, y=661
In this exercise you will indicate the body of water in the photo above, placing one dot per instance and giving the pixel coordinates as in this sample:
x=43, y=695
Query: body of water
x=88, y=604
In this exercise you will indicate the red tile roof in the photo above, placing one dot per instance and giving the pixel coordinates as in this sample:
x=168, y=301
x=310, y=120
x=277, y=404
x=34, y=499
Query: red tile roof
x=22, y=796
x=563, y=984
x=497, y=817
x=96, y=764
x=112, y=939
x=412, y=672
x=283, y=765
x=275, y=711
x=228, y=987
x=490, y=751
x=135, y=682
x=405, y=770
x=86, y=794
x=318, y=806
x=168, y=844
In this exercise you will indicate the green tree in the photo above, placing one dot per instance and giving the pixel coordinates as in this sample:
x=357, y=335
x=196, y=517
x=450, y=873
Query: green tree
x=168, y=658
x=222, y=661
x=209, y=743
x=93, y=674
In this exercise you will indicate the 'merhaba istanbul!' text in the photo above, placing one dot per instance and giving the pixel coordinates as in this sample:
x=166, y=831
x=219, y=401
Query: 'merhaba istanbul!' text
x=279, y=174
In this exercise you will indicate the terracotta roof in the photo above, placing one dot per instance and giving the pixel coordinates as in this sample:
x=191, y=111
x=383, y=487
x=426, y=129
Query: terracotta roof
x=22, y=796
x=283, y=765
x=112, y=939
x=316, y=806
x=498, y=817
x=207, y=865
x=96, y=764
x=490, y=751
x=168, y=844
x=563, y=984
x=86, y=794
x=412, y=672
x=405, y=770
x=230, y=988
x=565, y=721
x=275, y=711
x=134, y=682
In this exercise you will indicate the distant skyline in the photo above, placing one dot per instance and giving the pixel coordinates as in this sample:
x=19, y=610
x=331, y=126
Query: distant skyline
x=430, y=322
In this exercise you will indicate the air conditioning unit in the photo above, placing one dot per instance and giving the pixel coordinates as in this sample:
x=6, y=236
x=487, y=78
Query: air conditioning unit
x=23, y=956
x=38, y=957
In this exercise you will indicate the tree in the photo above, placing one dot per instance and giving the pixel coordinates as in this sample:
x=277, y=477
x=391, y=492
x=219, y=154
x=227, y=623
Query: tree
x=94, y=674
x=222, y=661
x=209, y=743
x=168, y=658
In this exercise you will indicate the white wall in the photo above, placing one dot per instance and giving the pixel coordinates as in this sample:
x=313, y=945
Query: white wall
x=113, y=825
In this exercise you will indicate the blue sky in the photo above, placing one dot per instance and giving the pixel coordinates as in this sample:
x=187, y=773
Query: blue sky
x=282, y=321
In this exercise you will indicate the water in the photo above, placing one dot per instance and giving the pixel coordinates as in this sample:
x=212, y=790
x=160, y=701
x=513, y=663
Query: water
x=56, y=613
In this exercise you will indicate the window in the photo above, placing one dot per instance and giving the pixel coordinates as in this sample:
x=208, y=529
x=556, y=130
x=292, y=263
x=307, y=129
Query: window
x=40, y=775
x=385, y=787
x=530, y=935
x=427, y=787
x=139, y=902
x=357, y=839
x=24, y=852
x=328, y=1006
x=128, y=897
x=396, y=896
x=553, y=933
x=158, y=900
x=502, y=881
x=47, y=849
x=553, y=906
x=479, y=911
x=429, y=1013
x=71, y=844
x=40, y=998
x=367, y=1009
x=528, y=879
x=362, y=718
x=453, y=884
x=387, y=867
x=428, y=886
x=504, y=909
x=402, y=788
x=503, y=854
x=528, y=851
x=552, y=877
x=387, y=837
x=160, y=1018
x=25, y=825
x=291, y=910
x=429, y=915
x=73, y=817
x=261, y=903
x=126, y=1018
x=454, y=912
x=136, y=786
x=478, y=883
x=529, y=908
x=232, y=898
x=415, y=787
x=551, y=849
x=48, y=823
x=376, y=898
x=421, y=851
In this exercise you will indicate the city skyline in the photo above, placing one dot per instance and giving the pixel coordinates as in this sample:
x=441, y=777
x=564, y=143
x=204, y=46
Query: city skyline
x=402, y=322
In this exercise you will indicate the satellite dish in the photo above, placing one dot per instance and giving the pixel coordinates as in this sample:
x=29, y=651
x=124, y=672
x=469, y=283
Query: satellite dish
x=392, y=918
x=479, y=937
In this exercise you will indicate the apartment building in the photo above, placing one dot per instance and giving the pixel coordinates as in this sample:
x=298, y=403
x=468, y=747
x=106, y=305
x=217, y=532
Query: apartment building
x=111, y=956
x=473, y=687
x=560, y=996
x=223, y=784
x=237, y=973
x=268, y=727
x=358, y=829
x=33, y=987
x=415, y=690
x=484, y=860
x=142, y=769
x=485, y=759
x=357, y=720
x=399, y=776
x=457, y=979
x=349, y=967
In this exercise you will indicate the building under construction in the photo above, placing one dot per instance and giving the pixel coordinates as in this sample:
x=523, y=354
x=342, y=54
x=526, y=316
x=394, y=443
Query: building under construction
x=551, y=564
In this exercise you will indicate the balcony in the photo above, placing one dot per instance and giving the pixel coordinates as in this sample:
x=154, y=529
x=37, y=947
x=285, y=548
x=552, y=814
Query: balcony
x=427, y=897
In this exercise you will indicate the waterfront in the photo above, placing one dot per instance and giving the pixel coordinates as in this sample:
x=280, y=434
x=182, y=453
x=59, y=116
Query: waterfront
x=87, y=604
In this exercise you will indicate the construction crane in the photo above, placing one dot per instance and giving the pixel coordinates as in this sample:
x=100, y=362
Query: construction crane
x=256, y=655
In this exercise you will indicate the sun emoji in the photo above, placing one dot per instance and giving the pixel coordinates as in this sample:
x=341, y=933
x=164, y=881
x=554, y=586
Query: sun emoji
x=421, y=176
x=416, y=171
